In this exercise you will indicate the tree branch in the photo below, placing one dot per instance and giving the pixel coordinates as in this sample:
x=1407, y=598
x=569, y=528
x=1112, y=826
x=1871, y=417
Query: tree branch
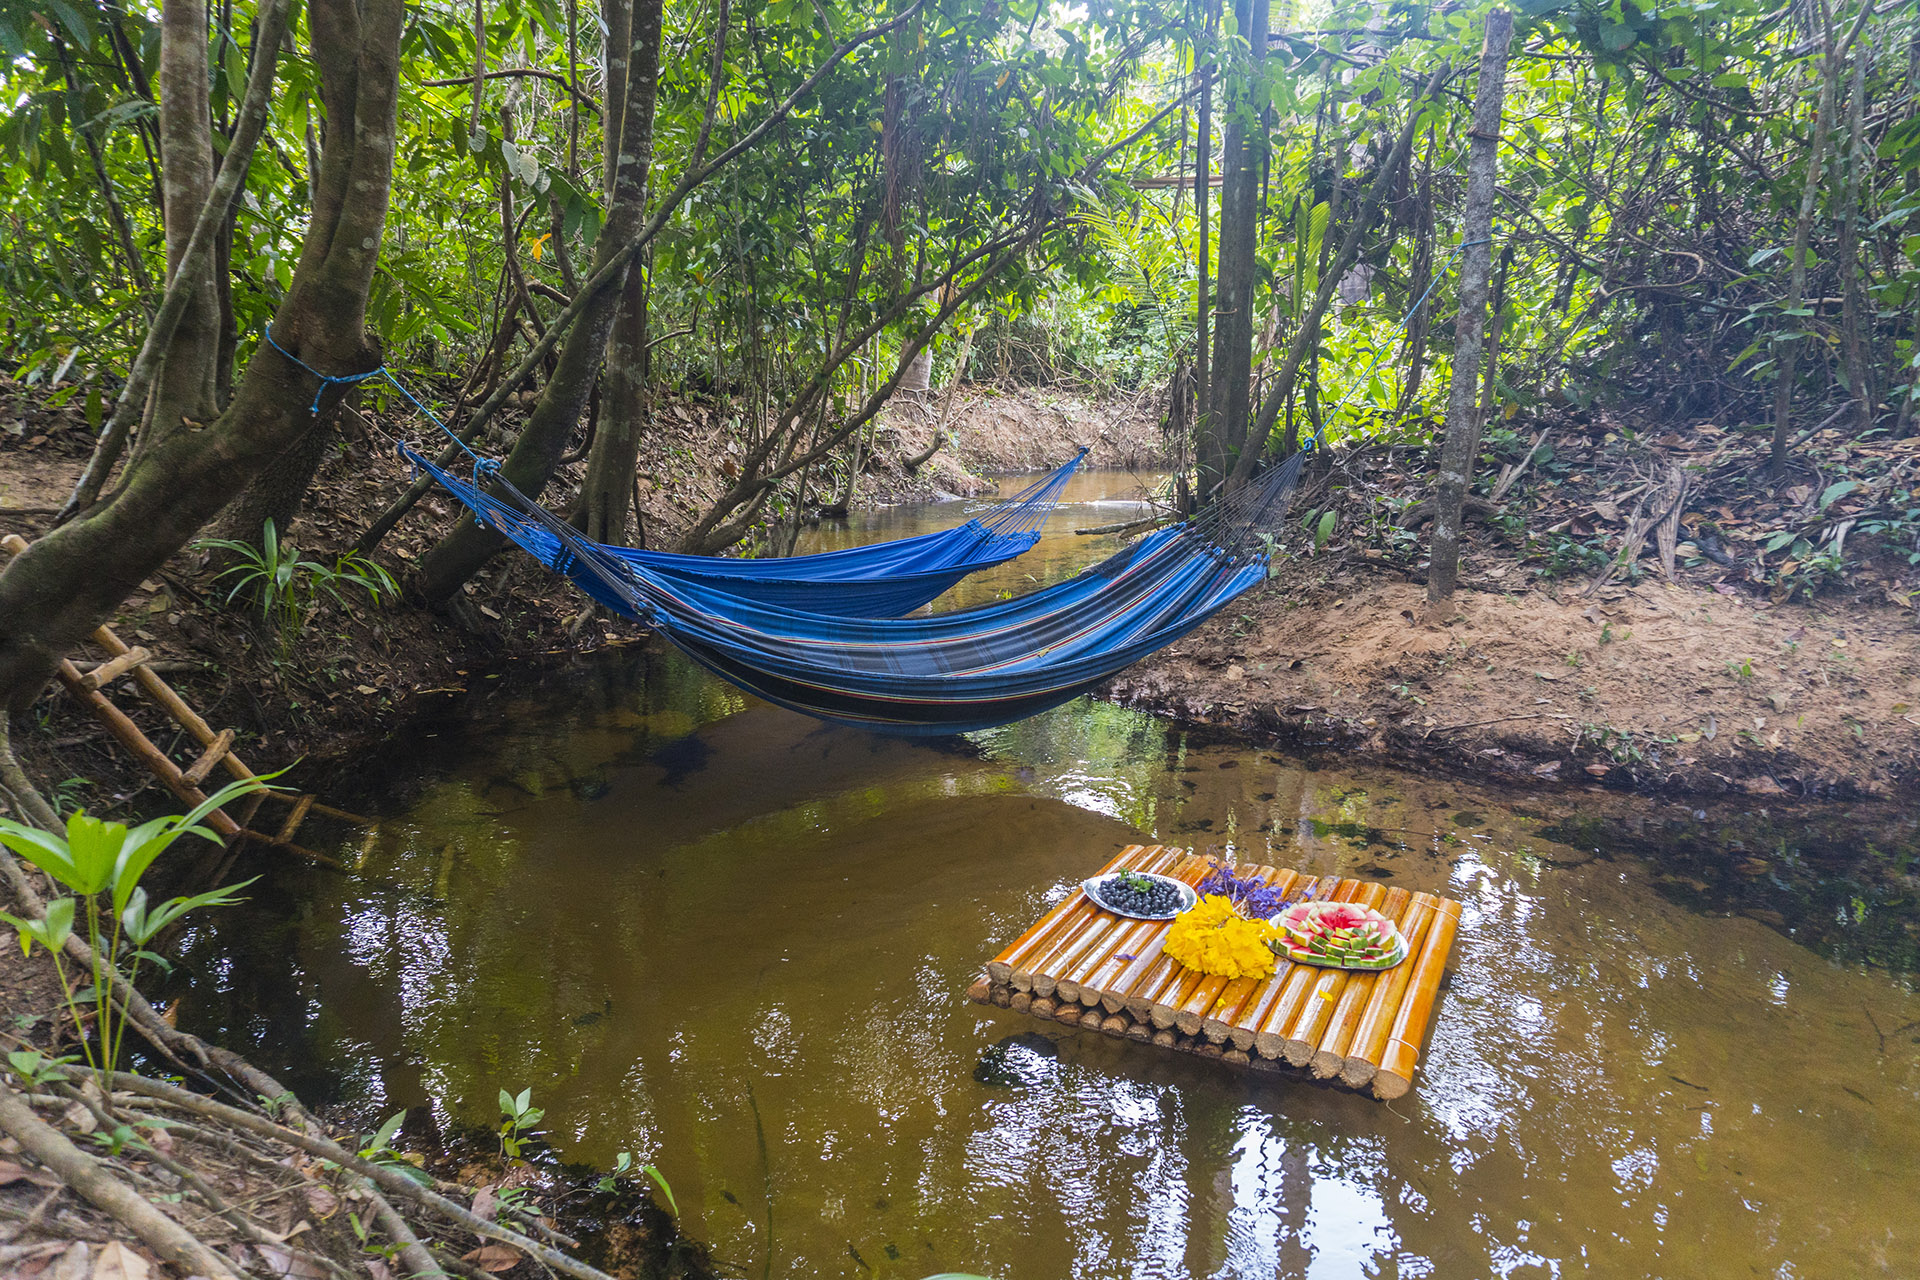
x=206, y=229
x=523, y=73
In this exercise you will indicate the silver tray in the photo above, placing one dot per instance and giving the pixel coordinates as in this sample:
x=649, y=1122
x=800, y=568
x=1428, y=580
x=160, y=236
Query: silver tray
x=1187, y=896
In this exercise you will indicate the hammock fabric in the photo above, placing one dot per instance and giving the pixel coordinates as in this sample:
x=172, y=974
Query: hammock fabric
x=951, y=673
x=880, y=580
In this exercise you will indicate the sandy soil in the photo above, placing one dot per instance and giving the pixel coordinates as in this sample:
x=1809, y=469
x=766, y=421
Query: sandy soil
x=1656, y=686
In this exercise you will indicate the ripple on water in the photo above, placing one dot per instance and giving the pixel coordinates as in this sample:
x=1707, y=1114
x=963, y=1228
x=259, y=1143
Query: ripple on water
x=734, y=943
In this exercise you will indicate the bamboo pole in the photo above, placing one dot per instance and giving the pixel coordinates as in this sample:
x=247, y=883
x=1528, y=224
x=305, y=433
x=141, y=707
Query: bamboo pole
x=1376, y=1019
x=1157, y=972
x=1395, y=1076
x=128, y=734
x=1273, y=1017
x=1078, y=982
x=1360, y=1027
x=1079, y=931
x=1179, y=988
x=1238, y=994
x=1133, y=988
x=1208, y=994
x=1330, y=1054
x=1248, y=1021
x=1000, y=968
x=1191, y=987
x=1317, y=1012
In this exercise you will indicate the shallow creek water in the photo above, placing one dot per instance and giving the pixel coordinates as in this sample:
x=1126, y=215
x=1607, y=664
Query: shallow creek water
x=735, y=942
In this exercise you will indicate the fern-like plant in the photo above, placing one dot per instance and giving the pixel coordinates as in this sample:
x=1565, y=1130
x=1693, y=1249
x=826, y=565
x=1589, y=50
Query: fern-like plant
x=287, y=587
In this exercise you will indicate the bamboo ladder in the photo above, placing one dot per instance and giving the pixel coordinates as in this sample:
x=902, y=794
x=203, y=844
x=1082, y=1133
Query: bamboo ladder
x=89, y=689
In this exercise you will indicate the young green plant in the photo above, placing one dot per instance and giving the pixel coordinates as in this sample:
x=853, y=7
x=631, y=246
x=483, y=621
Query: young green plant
x=101, y=864
x=288, y=587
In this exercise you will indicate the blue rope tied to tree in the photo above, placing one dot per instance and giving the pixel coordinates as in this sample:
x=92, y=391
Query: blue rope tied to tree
x=326, y=379
x=480, y=465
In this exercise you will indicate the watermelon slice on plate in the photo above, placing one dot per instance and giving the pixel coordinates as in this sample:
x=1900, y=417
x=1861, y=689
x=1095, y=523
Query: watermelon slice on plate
x=1339, y=935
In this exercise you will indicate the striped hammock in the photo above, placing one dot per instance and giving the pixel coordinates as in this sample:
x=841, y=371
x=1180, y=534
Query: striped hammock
x=880, y=580
x=950, y=673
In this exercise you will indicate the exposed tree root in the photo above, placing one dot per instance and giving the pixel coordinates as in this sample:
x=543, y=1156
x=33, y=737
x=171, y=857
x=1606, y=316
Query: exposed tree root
x=90, y=1178
x=365, y=1181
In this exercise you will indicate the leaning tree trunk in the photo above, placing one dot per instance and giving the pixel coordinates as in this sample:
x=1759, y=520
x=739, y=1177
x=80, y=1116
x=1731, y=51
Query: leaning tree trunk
x=1470, y=325
x=543, y=439
x=1306, y=334
x=74, y=578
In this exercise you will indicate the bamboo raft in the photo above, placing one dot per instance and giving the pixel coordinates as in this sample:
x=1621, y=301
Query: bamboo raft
x=1086, y=967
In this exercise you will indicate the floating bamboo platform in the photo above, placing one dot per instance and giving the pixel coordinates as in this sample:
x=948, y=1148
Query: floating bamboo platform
x=1086, y=967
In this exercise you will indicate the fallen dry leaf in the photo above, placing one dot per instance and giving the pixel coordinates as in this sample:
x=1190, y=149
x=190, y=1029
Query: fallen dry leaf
x=11, y=1173
x=74, y=1264
x=493, y=1257
x=117, y=1262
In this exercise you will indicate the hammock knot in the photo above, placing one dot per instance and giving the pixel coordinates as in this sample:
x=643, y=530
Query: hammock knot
x=326, y=379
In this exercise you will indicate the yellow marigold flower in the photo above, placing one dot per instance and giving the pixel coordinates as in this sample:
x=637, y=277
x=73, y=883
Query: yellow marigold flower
x=1215, y=938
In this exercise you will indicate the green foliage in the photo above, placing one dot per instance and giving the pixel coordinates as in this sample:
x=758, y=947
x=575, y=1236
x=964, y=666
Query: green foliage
x=92, y=860
x=518, y=1116
x=287, y=587
x=35, y=1068
x=623, y=1164
x=1655, y=159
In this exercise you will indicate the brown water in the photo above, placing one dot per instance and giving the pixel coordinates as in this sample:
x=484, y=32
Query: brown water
x=735, y=943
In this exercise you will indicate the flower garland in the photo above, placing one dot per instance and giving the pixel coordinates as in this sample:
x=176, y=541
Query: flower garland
x=1215, y=938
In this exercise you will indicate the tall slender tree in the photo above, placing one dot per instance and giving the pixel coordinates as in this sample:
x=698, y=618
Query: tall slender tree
x=1462, y=444
x=1243, y=152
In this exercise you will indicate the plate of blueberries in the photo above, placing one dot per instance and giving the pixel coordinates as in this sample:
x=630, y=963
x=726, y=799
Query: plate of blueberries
x=1140, y=895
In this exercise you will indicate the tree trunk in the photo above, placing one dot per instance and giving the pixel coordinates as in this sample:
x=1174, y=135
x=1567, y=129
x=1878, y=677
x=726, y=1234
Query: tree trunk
x=276, y=494
x=1414, y=352
x=1802, y=234
x=73, y=579
x=1470, y=326
x=1202, y=200
x=606, y=493
x=187, y=387
x=544, y=437
x=1854, y=315
x=1242, y=154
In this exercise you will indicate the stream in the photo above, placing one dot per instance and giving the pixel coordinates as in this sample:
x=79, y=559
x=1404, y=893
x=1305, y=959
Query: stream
x=735, y=942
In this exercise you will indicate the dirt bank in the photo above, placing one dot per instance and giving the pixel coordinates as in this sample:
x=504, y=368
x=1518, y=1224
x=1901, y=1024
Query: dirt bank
x=1744, y=673
x=1657, y=686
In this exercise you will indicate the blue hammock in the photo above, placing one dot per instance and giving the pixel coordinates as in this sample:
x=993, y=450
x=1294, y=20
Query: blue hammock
x=880, y=580
x=951, y=673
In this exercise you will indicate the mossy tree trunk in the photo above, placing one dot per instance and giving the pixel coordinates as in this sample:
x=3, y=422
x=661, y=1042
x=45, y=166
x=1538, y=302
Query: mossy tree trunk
x=75, y=577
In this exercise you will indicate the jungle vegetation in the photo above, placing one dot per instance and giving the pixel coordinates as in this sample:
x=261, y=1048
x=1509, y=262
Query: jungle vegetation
x=545, y=215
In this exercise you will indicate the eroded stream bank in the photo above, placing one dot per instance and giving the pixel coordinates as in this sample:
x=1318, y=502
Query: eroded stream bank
x=735, y=943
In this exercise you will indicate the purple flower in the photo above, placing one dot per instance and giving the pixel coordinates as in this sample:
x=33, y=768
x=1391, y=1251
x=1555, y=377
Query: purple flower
x=1250, y=895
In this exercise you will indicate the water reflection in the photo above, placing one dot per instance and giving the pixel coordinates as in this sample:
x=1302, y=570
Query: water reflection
x=734, y=942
